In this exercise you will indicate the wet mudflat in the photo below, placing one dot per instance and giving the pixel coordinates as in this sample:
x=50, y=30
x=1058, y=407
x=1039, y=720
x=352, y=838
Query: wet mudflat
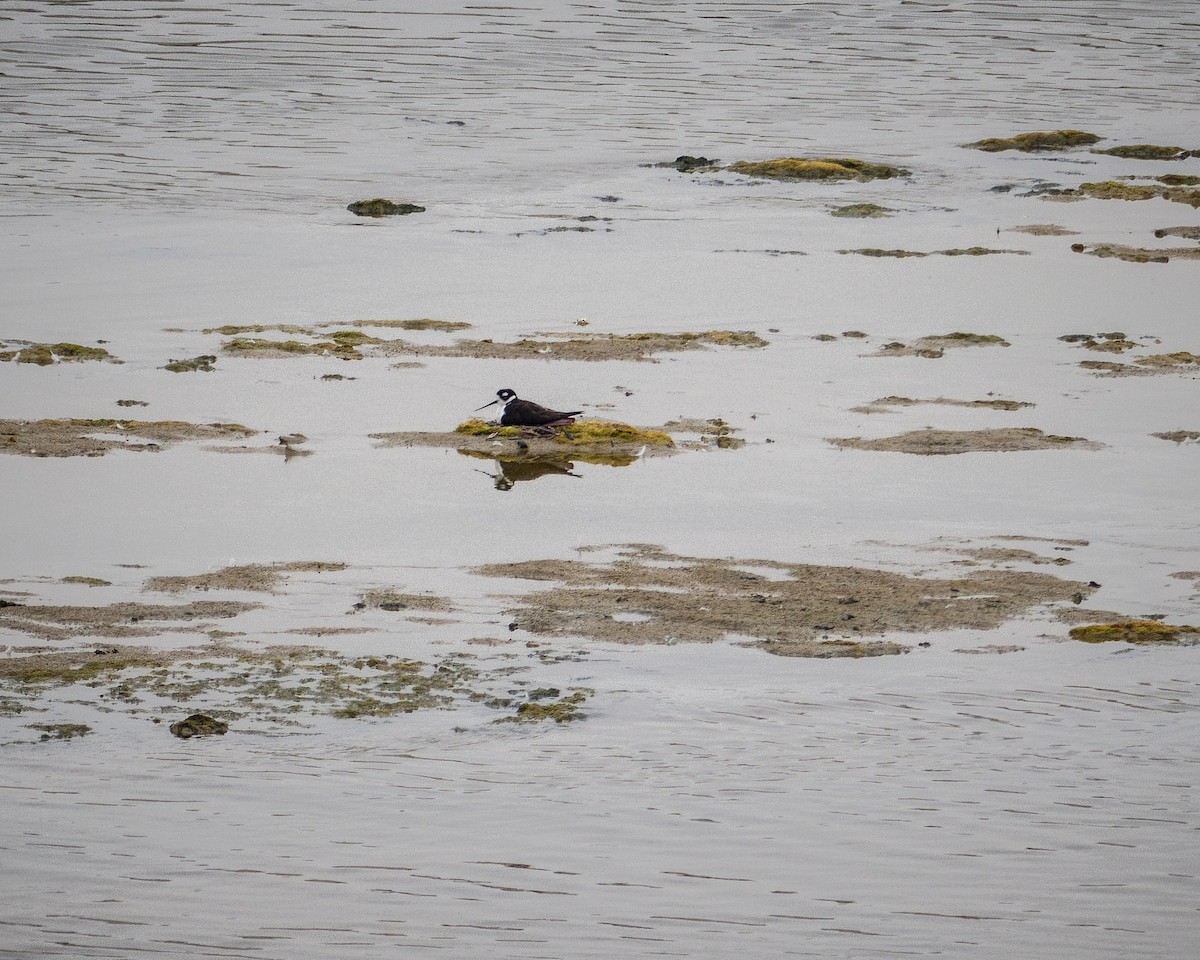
x=855, y=616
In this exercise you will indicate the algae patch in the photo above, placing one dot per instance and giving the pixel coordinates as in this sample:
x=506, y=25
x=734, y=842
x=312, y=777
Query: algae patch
x=933, y=442
x=127, y=619
x=646, y=594
x=380, y=207
x=817, y=168
x=1130, y=254
x=901, y=254
x=204, y=363
x=1147, y=151
x=45, y=354
x=1037, y=141
x=1138, y=632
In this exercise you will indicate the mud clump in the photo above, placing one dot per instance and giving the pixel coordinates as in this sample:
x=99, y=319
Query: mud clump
x=1138, y=254
x=686, y=163
x=199, y=725
x=264, y=578
x=202, y=364
x=1037, y=142
x=1138, y=632
x=1147, y=151
x=1114, y=190
x=862, y=211
x=933, y=442
x=589, y=441
x=885, y=403
x=1187, y=233
x=379, y=207
x=1179, y=436
x=45, y=354
x=934, y=346
x=94, y=438
x=60, y=731
x=648, y=595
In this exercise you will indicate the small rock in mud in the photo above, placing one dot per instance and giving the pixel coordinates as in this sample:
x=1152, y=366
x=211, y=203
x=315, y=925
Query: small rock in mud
x=1120, y=251
x=199, y=725
x=380, y=207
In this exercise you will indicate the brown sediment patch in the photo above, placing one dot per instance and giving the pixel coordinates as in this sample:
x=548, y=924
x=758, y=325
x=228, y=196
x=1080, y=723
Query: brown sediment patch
x=44, y=354
x=648, y=595
x=1043, y=230
x=265, y=578
x=59, y=622
x=1160, y=363
x=998, y=555
x=945, y=442
x=817, y=168
x=94, y=438
x=1120, y=251
x=884, y=404
x=1179, y=436
x=354, y=344
x=953, y=252
x=992, y=648
x=1138, y=631
x=1042, y=140
x=386, y=598
x=932, y=347
x=278, y=684
x=423, y=323
x=588, y=441
x=1187, y=233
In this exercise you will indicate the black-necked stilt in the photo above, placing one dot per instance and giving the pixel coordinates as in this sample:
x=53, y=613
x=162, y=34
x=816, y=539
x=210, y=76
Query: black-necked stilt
x=526, y=413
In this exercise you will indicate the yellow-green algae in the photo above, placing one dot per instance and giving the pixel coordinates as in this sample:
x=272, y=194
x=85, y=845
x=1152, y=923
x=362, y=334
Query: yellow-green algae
x=1137, y=631
x=1037, y=141
x=342, y=348
x=817, y=168
x=563, y=710
x=580, y=433
x=1146, y=151
x=87, y=581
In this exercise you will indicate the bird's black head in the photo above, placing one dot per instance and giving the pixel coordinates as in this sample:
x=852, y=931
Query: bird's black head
x=502, y=396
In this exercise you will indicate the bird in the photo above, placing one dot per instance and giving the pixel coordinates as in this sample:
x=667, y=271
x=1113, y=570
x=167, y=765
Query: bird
x=526, y=413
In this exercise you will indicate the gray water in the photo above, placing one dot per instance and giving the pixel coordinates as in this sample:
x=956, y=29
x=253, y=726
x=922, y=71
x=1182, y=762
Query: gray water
x=168, y=167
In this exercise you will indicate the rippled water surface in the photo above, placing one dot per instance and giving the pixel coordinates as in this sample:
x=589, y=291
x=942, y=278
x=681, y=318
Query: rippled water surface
x=168, y=168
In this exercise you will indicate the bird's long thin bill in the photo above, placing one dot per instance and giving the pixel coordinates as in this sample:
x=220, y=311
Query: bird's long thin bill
x=486, y=405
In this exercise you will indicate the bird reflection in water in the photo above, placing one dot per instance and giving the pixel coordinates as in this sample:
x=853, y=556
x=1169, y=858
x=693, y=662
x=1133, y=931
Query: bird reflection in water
x=512, y=472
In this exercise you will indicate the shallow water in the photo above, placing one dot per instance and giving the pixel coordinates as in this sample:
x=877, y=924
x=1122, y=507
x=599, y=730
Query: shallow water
x=168, y=168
